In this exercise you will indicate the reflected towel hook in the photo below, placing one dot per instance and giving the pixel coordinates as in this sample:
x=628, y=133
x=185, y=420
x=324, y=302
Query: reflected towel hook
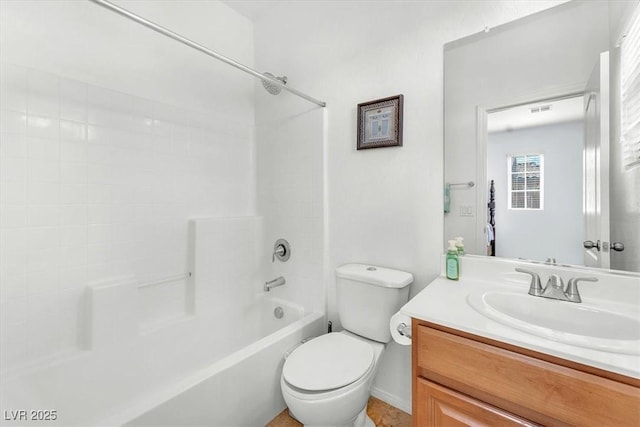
x=467, y=184
x=447, y=194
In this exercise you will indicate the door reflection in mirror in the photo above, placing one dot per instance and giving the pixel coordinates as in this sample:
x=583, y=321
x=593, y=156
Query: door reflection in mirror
x=534, y=157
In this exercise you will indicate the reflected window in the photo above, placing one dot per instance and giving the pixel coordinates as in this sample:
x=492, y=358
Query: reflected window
x=630, y=94
x=525, y=181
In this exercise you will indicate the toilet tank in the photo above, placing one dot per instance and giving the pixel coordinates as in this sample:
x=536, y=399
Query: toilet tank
x=368, y=296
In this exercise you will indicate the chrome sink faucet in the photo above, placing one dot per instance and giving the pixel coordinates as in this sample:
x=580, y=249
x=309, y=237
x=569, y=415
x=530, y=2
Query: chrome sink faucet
x=555, y=287
x=535, y=288
x=572, y=288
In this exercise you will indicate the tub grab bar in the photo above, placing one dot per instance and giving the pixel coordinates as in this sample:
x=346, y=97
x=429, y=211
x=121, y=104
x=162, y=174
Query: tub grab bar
x=165, y=280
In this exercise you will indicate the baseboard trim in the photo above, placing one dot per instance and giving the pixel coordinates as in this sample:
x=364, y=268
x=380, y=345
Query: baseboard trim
x=391, y=399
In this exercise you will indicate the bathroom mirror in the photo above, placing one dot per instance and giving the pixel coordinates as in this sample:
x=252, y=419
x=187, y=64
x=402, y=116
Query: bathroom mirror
x=533, y=65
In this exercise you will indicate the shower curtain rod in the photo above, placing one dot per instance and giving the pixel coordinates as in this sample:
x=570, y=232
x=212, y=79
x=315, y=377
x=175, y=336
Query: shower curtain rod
x=177, y=37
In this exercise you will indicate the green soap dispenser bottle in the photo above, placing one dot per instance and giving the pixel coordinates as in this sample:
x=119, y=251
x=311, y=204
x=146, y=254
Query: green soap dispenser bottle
x=452, y=264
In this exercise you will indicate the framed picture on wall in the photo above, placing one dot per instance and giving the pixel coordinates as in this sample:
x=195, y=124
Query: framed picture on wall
x=380, y=123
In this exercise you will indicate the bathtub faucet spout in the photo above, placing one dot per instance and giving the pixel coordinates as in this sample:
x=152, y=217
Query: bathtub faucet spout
x=274, y=283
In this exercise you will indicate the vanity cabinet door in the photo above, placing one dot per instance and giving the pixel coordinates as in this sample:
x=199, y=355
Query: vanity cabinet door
x=535, y=389
x=439, y=406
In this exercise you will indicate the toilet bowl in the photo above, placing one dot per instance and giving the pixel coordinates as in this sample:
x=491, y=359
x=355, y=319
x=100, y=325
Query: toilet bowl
x=326, y=381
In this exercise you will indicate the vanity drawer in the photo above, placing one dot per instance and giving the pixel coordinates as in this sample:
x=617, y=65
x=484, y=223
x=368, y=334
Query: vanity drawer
x=440, y=406
x=534, y=389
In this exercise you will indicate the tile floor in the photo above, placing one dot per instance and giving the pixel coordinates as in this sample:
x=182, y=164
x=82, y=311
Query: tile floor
x=382, y=414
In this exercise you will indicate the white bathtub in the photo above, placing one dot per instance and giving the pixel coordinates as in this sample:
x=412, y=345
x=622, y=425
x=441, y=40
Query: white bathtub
x=243, y=389
x=147, y=381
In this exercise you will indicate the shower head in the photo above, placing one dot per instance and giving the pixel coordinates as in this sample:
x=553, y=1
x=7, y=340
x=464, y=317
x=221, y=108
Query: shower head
x=272, y=88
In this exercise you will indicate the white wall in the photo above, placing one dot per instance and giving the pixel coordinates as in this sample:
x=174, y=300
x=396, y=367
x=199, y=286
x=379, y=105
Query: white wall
x=99, y=180
x=543, y=57
x=519, y=230
x=384, y=205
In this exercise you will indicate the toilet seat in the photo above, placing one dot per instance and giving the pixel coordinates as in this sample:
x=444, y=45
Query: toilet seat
x=328, y=362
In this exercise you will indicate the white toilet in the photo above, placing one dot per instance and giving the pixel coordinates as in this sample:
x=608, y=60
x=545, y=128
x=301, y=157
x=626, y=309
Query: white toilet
x=326, y=381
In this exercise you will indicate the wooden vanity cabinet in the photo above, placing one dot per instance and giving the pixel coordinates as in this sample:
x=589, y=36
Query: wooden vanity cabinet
x=461, y=379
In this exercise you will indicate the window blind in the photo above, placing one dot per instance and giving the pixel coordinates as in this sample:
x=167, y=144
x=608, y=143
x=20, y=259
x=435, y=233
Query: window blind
x=630, y=93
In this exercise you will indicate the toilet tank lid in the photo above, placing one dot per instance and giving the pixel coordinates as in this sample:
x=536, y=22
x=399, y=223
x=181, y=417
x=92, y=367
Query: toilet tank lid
x=375, y=275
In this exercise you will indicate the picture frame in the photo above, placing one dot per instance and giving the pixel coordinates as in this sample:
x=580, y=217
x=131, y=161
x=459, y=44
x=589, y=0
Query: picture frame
x=380, y=123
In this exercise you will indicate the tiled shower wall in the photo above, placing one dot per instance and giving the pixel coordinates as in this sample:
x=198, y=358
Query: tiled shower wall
x=97, y=184
x=290, y=197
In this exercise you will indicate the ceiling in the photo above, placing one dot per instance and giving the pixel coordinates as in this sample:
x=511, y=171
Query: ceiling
x=536, y=114
x=251, y=9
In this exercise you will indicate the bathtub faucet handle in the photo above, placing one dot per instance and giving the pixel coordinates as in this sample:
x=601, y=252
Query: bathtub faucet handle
x=281, y=250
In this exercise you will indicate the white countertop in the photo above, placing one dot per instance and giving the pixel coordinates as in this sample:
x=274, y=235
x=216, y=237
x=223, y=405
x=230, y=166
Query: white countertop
x=444, y=302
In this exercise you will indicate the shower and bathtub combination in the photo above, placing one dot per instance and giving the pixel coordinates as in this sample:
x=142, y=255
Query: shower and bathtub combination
x=187, y=369
x=142, y=289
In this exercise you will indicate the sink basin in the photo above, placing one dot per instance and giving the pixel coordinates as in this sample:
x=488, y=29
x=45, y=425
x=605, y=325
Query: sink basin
x=571, y=323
